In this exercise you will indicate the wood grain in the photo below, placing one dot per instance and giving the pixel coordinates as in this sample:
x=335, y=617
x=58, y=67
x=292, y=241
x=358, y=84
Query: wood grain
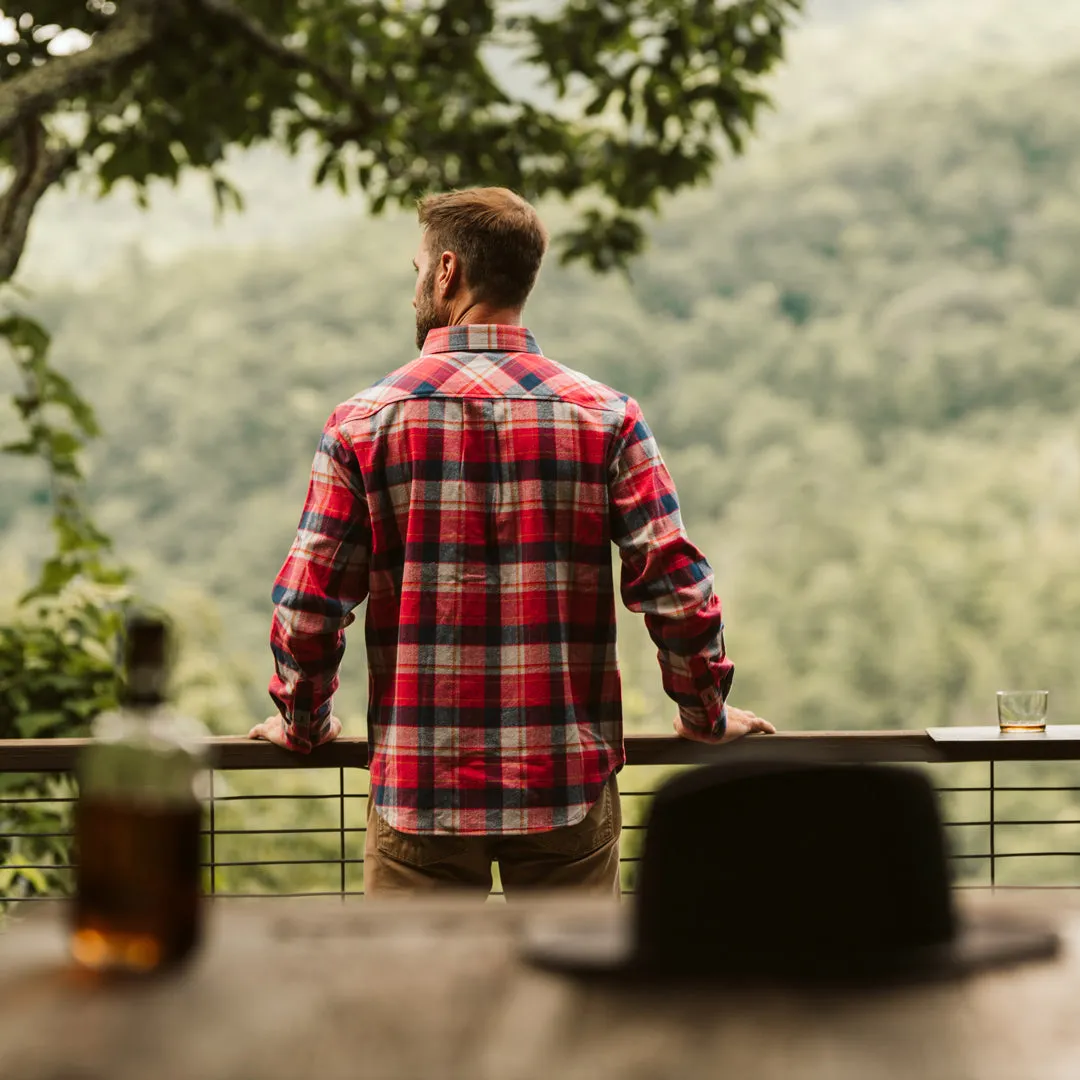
x=287, y=990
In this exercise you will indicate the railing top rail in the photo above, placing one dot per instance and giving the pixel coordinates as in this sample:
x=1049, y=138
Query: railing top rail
x=238, y=752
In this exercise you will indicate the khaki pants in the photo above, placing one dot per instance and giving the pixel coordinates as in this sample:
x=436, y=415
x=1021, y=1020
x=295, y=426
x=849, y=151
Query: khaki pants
x=584, y=857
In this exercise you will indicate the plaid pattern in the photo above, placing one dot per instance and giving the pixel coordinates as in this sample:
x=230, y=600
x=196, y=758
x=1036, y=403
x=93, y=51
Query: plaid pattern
x=472, y=498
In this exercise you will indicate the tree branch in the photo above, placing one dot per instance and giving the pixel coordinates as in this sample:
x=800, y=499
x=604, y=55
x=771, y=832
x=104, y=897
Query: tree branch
x=134, y=30
x=248, y=27
x=33, y=93
x=37, y=168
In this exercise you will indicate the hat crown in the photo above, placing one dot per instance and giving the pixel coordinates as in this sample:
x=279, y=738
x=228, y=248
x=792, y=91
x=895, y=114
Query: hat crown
x=786, y=869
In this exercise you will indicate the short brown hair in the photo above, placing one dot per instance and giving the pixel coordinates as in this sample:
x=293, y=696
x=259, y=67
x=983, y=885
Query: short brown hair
x=498, y=236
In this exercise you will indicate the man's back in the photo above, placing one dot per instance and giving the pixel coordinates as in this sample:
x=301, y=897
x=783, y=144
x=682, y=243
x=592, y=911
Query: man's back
x=495, y=703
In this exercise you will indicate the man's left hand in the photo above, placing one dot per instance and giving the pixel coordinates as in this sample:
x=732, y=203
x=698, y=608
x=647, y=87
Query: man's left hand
x=272, y=729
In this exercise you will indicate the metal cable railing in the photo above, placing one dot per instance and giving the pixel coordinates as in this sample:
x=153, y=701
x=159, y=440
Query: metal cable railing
x=308, y=839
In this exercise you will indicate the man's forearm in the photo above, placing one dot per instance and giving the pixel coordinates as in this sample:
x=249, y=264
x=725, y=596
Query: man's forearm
x=305, y=679
x=697, y=673
x=673, y=590
x=668, y=580
x=323, y=579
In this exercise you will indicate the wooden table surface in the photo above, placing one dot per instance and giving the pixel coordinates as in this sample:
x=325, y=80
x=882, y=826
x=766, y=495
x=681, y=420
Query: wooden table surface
x=289, y=990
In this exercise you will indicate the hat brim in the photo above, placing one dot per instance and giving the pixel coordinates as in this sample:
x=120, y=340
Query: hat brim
x=986, y=940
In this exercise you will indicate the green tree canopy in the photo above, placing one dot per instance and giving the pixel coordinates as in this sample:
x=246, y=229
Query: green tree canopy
x=612, y=103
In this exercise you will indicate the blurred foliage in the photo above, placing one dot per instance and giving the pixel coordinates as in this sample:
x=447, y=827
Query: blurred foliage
x=56, y=423
x=58, y=670
x=58, y=660
x=58, y=663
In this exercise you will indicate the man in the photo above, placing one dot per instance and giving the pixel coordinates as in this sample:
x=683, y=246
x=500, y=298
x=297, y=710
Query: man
x=472, y=498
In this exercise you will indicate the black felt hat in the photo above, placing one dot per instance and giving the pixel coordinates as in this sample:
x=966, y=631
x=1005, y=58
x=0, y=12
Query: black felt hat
x=793, y=872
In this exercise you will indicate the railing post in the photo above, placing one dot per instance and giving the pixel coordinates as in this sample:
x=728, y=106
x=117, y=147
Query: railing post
x=341, y=826
x=213, y=839
x=993, y=825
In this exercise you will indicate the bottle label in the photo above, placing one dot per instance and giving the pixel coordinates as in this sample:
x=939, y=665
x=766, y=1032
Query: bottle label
x=142, y=758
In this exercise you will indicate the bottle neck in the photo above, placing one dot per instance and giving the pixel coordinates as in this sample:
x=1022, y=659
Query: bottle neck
x=145, y=688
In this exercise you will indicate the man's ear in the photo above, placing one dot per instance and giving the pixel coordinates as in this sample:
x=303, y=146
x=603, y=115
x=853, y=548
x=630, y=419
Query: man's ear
x=449, y=276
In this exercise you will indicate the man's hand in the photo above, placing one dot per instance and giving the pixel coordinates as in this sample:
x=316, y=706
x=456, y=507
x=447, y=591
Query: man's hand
x=740, y=722
x=272, y=730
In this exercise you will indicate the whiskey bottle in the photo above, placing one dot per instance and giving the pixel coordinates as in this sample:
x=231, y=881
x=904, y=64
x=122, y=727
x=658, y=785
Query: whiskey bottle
x=138, y=819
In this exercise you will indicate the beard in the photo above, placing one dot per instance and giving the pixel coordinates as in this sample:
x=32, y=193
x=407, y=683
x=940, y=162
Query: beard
x=427, y=313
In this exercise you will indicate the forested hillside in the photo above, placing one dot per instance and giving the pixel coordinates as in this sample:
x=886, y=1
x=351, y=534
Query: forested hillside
x=860, y=353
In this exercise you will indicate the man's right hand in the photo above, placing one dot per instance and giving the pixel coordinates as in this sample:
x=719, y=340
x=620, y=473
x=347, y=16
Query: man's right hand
x=740, y=722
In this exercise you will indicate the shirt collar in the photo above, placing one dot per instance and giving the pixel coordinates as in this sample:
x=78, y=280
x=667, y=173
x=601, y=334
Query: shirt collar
x=480, y=337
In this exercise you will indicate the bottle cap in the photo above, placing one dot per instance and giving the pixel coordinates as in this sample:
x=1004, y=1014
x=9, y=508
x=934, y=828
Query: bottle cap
x=146, y=641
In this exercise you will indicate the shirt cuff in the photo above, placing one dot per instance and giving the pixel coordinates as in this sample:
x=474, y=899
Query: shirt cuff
x=702, y=724
x=304, y=731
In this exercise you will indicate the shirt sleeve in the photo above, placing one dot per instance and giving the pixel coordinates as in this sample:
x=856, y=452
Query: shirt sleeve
x=324, y=577
x=668, y=580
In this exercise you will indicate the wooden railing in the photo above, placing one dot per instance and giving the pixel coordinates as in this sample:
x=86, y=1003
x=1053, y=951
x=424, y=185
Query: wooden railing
x=272, y=839
x=236, y=752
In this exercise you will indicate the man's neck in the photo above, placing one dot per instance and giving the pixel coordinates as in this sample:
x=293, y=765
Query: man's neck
x=480, y=312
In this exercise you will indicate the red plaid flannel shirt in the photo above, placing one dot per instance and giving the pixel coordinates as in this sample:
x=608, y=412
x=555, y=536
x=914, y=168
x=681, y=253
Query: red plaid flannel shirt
x=472, y=497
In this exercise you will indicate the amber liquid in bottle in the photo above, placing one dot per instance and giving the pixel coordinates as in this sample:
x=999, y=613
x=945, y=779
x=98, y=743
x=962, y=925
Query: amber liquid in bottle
x=138, y=897
x=138, y=820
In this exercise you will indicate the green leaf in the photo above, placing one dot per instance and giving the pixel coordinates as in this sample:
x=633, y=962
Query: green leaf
x=35, y=724
x=27, y=448
x=94, y=648
x=64, y=444
x=226, y=195
x=55, y=574
x=59, y=390
x=26, y=334
x=35, y=878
